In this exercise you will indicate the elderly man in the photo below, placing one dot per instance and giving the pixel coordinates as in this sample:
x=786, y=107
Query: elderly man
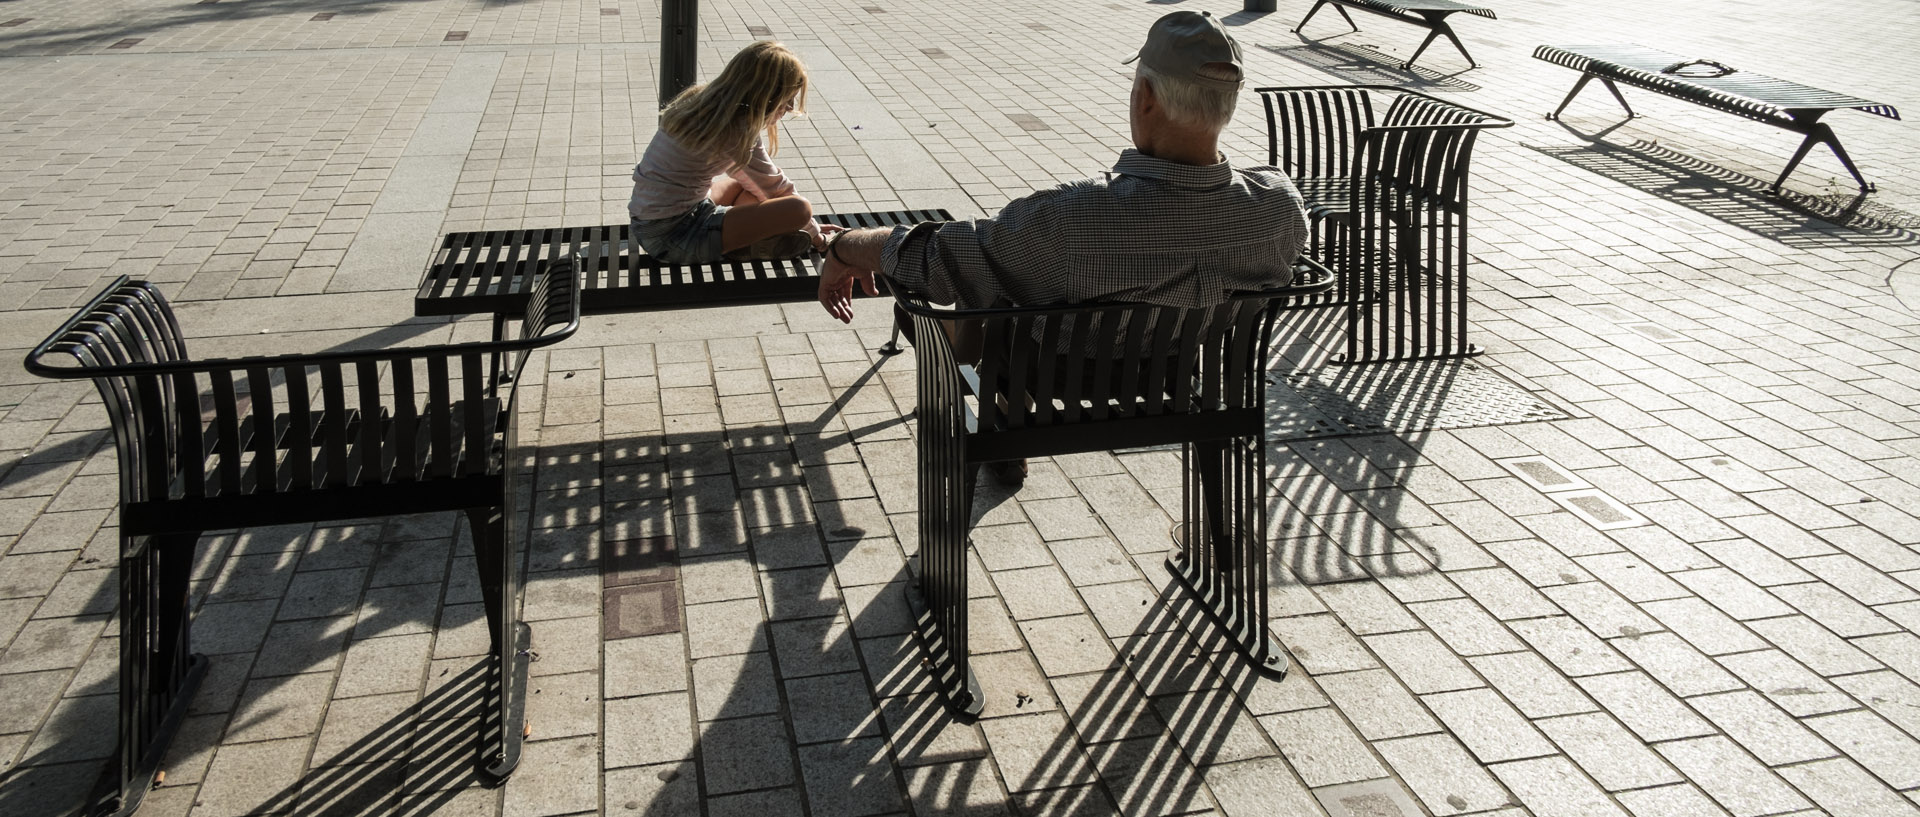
x=1173, y=224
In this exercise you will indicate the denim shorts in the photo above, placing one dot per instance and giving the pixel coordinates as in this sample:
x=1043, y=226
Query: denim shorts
x=692, y=237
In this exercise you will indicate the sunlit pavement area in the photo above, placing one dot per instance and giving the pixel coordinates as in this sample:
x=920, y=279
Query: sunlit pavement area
x=1716, y=617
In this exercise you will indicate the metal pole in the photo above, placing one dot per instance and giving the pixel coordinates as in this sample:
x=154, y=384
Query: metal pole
x=679, y=26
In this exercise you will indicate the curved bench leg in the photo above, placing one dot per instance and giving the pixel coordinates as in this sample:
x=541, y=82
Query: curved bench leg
x=504, y=712
x=1222, y=554
x=937, y=589
x=159, y=672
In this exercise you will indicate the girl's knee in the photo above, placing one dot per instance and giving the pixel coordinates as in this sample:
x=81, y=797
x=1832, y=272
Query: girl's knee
x=796, y=209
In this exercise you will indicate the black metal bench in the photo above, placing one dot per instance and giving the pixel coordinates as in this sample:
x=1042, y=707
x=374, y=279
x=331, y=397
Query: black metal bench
x=1761, y=98
x=1428, y=14
x=1386, y=196
x=1135, y=375
x=486, y=272
x=216, y=444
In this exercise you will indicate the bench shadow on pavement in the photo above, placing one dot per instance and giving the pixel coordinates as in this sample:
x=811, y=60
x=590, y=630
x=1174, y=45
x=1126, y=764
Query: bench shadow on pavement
x=1173, y=676
x=1367, y=65
x=1339, y=511
x=1799, y=220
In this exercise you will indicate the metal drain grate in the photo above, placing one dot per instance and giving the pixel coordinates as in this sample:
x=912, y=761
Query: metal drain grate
x=1545, y=475
x=1417, y=395
x=1599, y=510
x=127, y=43
x=936, y=53
x=1655, y=332
x=1028, y=121
x=455, y=36
x=759, y=31
x=1374, y=798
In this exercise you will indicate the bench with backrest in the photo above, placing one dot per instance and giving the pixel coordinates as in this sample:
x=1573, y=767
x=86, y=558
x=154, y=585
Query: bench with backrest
x=1055, y=380
x=208, y=444
x=1384, y=174
x=1428, y=14
x=1781, y=103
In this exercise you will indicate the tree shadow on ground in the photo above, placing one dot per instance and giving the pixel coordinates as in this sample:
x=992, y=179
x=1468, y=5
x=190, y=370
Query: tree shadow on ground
x=62, y=40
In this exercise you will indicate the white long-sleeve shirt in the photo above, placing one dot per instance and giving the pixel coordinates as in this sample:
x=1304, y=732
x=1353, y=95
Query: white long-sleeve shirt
x=670, y=179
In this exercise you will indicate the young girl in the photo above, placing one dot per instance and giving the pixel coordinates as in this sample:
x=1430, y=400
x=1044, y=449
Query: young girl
x=705, y=188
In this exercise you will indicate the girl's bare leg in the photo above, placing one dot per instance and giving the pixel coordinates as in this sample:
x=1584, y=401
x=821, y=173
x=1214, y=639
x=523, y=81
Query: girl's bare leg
x=728, y=192
x=747, y=223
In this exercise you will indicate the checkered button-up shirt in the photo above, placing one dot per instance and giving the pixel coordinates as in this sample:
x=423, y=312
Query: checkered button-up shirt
x=1153, y=232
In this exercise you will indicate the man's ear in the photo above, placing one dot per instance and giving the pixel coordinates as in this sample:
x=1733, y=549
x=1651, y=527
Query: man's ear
x=1144, y=98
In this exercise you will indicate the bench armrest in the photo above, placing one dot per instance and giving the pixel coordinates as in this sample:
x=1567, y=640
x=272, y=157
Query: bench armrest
x=1310, y=278
x=555, y=300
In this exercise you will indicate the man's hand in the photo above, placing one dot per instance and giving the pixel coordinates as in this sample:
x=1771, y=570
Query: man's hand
x=836, y=288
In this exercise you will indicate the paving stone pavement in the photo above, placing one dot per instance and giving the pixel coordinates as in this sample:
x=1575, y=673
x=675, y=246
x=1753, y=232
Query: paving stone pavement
x=1698, y=594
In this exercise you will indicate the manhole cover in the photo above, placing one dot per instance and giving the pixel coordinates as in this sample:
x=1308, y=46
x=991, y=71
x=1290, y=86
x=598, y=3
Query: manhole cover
x=1400, y=396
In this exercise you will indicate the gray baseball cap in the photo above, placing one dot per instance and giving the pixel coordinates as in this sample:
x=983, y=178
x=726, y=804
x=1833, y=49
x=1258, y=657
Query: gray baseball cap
x=1181, y=42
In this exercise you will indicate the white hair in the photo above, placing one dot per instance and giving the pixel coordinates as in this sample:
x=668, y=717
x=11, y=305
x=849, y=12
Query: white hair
x=1193, y=104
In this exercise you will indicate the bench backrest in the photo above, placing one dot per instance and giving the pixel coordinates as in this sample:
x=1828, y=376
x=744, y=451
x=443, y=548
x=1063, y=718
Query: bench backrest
x=1088, y=377
x=187, y=428
x=1312, y=132
x=1100, y=362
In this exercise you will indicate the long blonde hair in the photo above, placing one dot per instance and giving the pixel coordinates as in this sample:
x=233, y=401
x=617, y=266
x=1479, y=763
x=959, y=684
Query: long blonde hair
x=724, y=117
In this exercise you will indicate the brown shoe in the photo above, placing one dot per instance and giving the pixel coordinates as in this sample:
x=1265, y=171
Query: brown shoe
x=778, y=247
x=1011, y=473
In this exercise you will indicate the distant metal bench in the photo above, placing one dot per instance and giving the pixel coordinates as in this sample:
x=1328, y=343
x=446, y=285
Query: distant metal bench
x=487, y=272
x=207, y=444
x=1761, y=98
x=1428, y=14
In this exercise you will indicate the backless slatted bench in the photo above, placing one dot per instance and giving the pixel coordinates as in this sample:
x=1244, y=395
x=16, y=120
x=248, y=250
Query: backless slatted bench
x=487, y=272
x=1428, y=14
x=1781, y=103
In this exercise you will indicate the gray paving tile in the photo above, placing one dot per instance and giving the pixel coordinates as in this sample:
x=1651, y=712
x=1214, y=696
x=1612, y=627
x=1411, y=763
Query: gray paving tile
x=1552, y=785
x=1732, y=777
x=745, y=753
x=1649, y=710
x=1322, y=748
x=1442, y=774
x=1614, y=758
x=1763, y=729
x=648, y=730
x=850, y=778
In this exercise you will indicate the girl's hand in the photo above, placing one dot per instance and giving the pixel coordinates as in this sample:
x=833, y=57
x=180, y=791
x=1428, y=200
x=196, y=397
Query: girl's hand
x=821, y=232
